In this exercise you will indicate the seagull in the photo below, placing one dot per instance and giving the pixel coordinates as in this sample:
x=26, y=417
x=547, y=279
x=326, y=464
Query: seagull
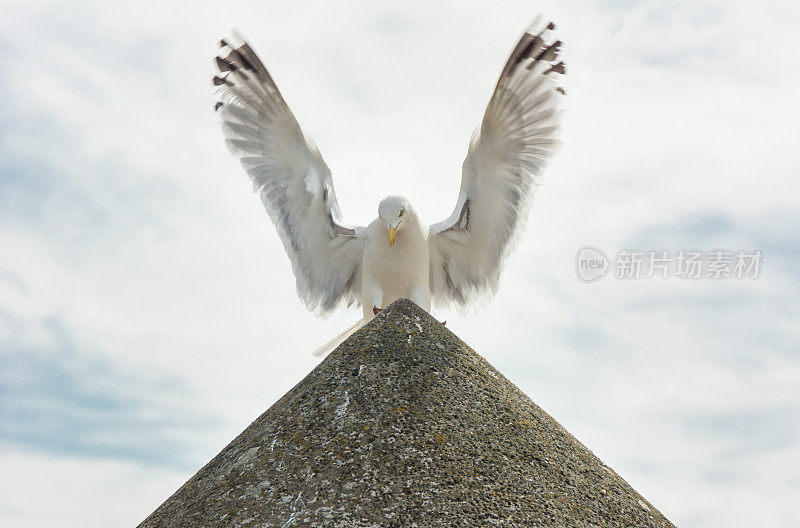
x=456, y=262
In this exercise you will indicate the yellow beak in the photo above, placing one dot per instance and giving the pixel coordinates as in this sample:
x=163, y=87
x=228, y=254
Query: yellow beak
x=392, y=234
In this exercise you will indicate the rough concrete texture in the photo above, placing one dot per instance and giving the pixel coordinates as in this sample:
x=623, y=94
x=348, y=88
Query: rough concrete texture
x=404, y=425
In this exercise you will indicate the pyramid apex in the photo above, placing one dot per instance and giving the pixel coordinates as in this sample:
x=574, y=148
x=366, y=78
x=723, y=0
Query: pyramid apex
x=405, y=425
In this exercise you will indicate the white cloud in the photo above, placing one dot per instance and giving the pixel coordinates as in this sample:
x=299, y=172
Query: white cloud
x=41, y=490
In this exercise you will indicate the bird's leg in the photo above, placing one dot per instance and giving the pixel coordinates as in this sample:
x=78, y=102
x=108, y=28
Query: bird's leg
x=377, y=301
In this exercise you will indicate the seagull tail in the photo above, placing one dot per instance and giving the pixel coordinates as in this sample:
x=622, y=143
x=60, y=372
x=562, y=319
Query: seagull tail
x=328, y=347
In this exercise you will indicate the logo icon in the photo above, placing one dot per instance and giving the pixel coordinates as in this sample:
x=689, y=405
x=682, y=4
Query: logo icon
x=591, y=264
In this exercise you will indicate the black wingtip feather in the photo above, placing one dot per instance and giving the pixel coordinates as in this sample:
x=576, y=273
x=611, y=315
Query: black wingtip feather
x=532, y=46
x=236, y=56
x=218, y=81
x=550, y=52
x=557, y=68
x=224, y=64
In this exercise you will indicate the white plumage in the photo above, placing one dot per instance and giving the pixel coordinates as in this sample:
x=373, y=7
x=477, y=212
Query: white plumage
x=453, y=262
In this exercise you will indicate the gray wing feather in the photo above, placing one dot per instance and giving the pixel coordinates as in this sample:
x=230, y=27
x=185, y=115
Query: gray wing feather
x=506, y=157
x=292, y=179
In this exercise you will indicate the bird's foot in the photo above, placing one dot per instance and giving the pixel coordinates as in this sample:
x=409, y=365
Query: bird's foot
x=376, y=310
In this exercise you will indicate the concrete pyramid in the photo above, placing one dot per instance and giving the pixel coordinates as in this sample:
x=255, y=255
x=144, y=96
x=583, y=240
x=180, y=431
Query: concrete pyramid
x=404, y=425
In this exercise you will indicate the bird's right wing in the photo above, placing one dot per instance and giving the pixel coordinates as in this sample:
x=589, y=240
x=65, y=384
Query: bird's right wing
x=292, y=179
x=506, y=157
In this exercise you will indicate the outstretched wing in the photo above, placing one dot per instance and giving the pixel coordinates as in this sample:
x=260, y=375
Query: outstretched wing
x=292, y=179
x=503, y=167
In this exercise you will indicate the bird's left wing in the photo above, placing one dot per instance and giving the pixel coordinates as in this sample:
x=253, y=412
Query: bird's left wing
x=503, y=166
x=292, y=179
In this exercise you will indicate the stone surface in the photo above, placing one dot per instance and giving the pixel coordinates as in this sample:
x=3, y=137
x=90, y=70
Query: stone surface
x=404, y=425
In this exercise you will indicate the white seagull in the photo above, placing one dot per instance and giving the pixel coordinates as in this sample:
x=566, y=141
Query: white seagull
x=455, y=262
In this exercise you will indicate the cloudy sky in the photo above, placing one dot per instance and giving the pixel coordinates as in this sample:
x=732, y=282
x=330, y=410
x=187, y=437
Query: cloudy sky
x=148, y=313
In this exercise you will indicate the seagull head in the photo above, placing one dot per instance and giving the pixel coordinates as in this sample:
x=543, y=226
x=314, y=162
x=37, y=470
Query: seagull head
x=396, y=212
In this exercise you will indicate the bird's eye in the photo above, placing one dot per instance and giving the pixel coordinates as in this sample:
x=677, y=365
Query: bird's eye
x=401, y=212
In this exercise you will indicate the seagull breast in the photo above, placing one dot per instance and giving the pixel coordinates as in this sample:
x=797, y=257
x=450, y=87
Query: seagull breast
x=397, y=270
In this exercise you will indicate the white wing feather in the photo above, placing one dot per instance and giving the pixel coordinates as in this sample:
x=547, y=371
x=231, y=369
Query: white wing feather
x=503, y=166
x=292, y=179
